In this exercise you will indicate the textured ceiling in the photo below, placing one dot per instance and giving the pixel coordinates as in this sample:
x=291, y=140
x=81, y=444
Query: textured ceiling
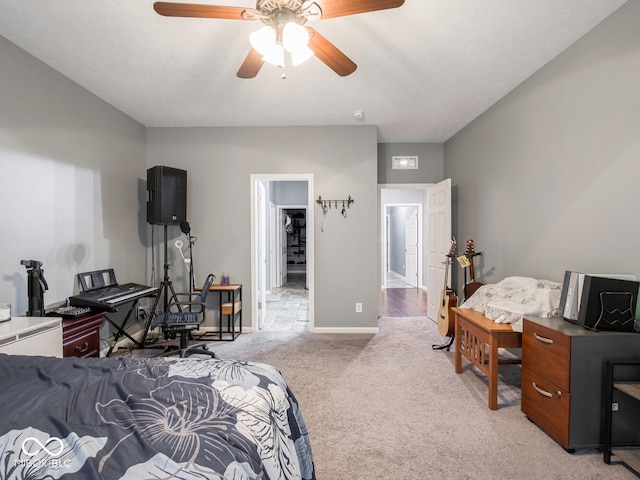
x=425, y=70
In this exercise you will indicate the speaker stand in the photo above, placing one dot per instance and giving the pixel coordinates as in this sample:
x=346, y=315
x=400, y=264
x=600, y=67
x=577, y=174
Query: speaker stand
x=192, y=276
x=166, y=284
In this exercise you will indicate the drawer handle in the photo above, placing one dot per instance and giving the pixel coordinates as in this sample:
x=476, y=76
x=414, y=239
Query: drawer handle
x=83, y=348
x=544, y=392
x=542, y=339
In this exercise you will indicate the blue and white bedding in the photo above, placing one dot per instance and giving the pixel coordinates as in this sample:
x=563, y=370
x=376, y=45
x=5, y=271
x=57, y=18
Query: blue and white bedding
x=159, y=418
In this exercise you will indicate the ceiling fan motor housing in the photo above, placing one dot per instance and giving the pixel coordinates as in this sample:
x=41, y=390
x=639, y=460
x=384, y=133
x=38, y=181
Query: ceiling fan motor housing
x=277, y=13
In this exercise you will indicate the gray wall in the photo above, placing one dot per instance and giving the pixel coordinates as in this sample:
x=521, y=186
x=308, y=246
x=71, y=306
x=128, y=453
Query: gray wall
x=547, y=179
x=343, y=161
x=73, y=173
x=430, y=163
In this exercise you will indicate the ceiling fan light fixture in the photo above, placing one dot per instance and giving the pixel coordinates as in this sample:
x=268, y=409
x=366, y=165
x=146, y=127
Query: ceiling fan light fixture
x=264, y=42
x=294, y=40
x=275, y=55
x=294, y=37
x=300, y=55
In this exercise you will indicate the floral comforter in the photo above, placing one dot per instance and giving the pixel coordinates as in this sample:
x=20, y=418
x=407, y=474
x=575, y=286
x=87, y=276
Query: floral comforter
x=123, y=418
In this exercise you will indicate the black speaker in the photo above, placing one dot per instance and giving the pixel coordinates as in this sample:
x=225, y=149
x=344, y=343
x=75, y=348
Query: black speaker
x=166, y=196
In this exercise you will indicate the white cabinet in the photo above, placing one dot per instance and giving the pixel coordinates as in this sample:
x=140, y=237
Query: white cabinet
x=32, y=336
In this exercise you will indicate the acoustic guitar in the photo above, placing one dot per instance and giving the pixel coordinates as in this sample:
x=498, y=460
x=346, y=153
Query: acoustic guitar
x=471, y=286
x=448, y=300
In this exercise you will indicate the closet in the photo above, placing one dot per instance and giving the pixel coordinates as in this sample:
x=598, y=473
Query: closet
x=295, y=226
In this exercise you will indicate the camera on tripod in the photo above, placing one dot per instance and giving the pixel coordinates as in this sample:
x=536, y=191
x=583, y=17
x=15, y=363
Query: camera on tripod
x=37, y=285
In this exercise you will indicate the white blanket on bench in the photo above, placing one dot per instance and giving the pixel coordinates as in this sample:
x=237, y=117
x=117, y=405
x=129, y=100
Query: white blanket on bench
x=513, y=298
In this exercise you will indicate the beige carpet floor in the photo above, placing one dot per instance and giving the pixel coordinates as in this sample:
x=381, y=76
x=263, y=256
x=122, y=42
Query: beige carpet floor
x=387, y=406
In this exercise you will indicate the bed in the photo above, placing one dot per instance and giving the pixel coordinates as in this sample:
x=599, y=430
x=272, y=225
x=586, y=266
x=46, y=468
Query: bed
x=491, y=319
x=157, y=418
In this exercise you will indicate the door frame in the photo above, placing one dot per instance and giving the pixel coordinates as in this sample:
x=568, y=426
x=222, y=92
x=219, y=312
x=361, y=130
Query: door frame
x=386, y=243
x=275, y=177
x=382, y=228
x=260, y=263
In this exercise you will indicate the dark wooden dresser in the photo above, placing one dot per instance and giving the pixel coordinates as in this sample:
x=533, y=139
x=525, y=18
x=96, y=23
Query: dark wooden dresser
x=562, y=378
x=81, y=336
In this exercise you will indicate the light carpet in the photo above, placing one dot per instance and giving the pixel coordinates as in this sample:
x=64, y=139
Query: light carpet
x=387, y=406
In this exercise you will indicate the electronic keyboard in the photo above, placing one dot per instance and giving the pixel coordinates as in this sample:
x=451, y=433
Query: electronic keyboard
x=108, y=298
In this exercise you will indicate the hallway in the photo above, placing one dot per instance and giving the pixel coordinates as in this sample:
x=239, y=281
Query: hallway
x=403, y=302
x=288, y=306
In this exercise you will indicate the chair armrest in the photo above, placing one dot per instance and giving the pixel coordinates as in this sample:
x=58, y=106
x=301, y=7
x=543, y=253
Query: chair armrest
x=187, y=294
x=199, y=307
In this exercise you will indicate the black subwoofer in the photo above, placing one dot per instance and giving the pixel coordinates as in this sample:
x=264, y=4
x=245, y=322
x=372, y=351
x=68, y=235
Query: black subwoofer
x=166, y=195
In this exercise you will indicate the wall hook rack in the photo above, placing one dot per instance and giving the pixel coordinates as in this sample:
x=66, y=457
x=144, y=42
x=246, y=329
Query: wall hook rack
x=326, y=205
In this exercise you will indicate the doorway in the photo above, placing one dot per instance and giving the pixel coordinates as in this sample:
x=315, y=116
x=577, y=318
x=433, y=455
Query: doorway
x=403, y=246
x=403, y=250
x=403, y=235
x=435, y=229
x=282, y=252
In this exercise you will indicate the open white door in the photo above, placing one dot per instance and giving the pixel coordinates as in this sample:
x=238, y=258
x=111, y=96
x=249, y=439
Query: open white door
x=411, y=247
x=261, y=258
x=273, y=269
x=439, y=214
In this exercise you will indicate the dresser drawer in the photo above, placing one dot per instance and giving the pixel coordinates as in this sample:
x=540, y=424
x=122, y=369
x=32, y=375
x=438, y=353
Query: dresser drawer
x=546, y=405
x=81, y=336
x=547, y=352
x=85, y=344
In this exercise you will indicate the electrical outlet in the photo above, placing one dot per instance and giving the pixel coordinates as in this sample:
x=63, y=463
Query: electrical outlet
x=141, y=313
x=358, y=308
x=614, y=407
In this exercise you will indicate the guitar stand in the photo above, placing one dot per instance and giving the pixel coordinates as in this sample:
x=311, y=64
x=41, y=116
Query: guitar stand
x=445, y=346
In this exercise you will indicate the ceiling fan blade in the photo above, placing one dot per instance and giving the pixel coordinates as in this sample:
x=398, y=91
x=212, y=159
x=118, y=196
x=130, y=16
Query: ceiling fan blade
x=341, y=8
x=329, y=54
x=170, y=9
x=251, y=65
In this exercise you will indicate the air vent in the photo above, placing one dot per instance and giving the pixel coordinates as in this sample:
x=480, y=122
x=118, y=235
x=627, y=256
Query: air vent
x=404, y=163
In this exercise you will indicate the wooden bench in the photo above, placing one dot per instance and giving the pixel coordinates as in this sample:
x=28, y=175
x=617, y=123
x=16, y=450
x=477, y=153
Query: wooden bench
x=478, y=339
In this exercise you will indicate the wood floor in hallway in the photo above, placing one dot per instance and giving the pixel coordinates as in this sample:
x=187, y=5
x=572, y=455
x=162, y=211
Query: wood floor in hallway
x=403, y=302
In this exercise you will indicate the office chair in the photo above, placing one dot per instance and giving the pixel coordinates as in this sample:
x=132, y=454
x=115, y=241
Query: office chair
x=182, y=318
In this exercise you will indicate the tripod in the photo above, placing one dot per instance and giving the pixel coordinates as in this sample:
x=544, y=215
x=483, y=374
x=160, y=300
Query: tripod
x=166, y=284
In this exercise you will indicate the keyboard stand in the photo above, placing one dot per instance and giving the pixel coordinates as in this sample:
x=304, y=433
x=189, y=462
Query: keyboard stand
x=120, y=329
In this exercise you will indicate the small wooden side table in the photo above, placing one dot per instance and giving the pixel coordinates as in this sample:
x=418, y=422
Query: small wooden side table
x=230, y=307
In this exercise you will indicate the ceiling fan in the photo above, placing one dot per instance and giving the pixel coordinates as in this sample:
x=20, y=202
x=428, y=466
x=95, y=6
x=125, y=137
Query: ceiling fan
x=283, y=30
